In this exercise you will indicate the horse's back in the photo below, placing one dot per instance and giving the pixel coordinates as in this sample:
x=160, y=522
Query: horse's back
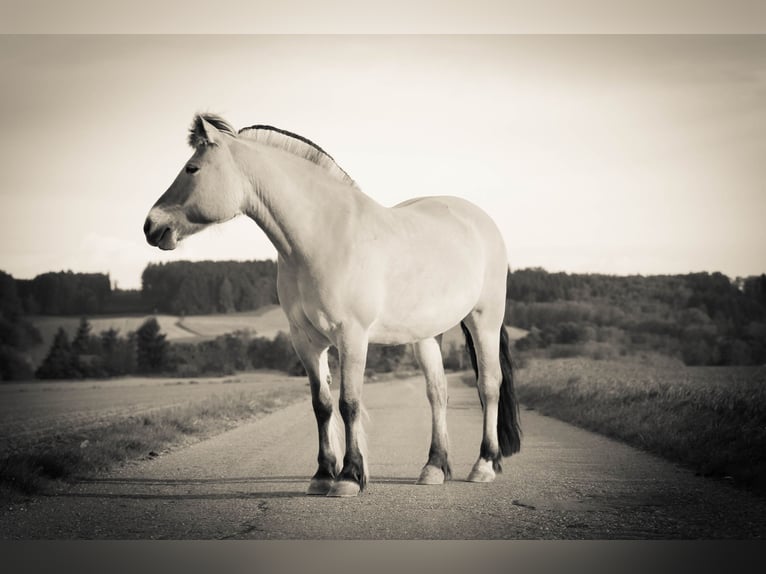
x=460, y=220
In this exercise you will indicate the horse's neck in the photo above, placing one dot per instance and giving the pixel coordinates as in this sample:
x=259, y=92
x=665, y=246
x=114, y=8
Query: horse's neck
x=296, y=203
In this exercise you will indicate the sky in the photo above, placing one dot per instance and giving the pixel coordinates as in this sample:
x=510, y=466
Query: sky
x=603, y=154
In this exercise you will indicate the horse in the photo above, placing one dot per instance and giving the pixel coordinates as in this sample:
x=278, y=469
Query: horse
x=353, y=272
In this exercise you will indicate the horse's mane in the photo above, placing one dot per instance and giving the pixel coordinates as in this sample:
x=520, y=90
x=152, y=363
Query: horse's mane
x=273, y=137
x=296, y=145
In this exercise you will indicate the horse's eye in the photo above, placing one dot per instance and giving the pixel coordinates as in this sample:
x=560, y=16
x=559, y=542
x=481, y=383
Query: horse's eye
x=192, y=168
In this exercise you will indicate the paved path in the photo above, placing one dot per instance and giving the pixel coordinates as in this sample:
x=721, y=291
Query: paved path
x=249, y=483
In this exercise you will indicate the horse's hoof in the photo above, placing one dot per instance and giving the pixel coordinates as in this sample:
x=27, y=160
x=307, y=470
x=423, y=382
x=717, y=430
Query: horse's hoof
x=344, y=489
x=319, y=486
x=431, y=475
x=482, y=472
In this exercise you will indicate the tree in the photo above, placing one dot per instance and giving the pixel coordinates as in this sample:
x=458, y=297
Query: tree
x=151, y=347
x=81, y=343
x=16, y=333
x=226, y=296
x=61, y=362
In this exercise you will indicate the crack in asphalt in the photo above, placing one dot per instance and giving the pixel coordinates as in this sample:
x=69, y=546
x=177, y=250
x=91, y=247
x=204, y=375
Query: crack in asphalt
x=249, y=527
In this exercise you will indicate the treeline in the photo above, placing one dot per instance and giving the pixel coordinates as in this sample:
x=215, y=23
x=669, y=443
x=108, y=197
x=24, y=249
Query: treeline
x=64, y=293
x=178, y=288
x=701, y=318
x=184, y=287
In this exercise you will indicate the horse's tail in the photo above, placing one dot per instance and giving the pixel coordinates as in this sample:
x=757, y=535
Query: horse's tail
x=508, y=428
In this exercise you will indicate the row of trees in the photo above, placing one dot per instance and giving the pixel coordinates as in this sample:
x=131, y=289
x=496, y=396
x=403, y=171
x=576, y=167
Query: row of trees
x=65, y=293
x=107, y=354
x=701, y=318
x=181, y=287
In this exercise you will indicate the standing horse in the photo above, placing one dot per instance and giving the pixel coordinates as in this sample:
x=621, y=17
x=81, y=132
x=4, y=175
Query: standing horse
x=352, y=272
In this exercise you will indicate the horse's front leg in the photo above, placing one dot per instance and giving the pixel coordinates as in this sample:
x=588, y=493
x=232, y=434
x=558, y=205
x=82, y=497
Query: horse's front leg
x=352, y=349
x=314, y=359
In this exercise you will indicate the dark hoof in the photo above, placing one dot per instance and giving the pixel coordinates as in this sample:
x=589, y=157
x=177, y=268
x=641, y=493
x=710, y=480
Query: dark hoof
x=319, y=486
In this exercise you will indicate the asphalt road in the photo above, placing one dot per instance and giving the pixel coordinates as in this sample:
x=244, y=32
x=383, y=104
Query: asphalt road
x=249, y=483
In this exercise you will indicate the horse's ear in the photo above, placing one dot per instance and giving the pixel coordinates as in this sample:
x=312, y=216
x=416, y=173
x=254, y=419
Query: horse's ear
x=203, y=133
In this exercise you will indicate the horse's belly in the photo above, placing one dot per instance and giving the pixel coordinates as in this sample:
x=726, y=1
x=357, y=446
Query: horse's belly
x=422, y=305
x=395, y=332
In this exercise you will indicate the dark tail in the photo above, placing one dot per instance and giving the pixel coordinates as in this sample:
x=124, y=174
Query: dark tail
x=508, y=428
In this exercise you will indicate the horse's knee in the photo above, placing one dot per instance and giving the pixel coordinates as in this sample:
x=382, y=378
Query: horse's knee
x=349, y=409
x=322, y=409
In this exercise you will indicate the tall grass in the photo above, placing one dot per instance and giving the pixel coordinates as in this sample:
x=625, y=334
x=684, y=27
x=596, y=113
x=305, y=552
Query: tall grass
x=30, y=468
x=712, y=419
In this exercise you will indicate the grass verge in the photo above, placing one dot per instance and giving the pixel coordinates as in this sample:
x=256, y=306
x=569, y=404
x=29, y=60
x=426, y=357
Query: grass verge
x=711, y=419
x=30, y=468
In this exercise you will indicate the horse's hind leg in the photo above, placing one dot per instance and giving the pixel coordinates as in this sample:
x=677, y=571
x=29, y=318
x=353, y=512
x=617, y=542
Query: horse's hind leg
x=486, y=339
x=429, y=356
x=314, y=359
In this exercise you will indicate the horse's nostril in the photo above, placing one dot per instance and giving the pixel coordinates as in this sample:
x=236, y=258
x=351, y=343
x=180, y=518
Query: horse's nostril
x=155, y=233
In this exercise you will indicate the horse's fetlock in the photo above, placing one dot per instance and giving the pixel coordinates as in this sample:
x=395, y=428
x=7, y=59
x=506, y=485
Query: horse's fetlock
x=490, y=452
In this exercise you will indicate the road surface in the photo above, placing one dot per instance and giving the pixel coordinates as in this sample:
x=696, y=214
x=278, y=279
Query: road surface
x=248, y=483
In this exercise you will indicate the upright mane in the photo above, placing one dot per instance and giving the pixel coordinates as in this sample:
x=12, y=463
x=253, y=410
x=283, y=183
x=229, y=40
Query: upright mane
x=296, y=145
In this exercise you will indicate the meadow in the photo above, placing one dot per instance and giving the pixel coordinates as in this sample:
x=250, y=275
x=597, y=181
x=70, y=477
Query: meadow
x=710, y=419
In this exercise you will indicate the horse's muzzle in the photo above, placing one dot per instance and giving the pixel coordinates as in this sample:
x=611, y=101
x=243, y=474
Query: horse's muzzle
x=158, y=235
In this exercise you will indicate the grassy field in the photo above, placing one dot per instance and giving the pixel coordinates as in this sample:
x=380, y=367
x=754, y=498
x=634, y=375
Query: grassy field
x=40, y=409
x=79, y=428
x=711, y=419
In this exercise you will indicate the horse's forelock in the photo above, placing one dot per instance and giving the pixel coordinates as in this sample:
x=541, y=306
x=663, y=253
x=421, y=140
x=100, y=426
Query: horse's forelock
x=197, y=136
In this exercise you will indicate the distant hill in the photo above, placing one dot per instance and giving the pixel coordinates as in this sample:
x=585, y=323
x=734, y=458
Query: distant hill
x=700, y=318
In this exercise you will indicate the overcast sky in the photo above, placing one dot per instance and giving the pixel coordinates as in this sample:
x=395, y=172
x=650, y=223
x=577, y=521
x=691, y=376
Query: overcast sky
x=613, y=154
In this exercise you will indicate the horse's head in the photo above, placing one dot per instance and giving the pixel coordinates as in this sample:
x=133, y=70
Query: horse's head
x=209, y=189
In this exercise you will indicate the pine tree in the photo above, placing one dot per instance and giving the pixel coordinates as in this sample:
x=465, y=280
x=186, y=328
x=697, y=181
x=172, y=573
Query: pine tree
x=61, y=362
x=81, y=342
x=152, y=348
